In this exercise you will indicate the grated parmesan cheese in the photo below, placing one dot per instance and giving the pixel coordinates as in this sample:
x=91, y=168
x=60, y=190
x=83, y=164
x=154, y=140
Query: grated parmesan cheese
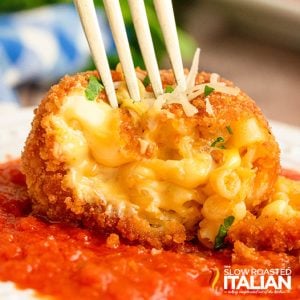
x=190, y=81
x=214, y=77
x=198, y=90
x=208, y=107
x=177, y=96
x=183, y=96
x=143, y=145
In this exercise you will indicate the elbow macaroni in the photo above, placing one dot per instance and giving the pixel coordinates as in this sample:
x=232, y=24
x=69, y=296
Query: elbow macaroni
x=179, y=181
x=285, y=201
x=225, y=182
x=230, y=183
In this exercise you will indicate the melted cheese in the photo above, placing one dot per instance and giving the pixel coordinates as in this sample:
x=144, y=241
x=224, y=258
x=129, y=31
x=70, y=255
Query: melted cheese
x=101, y=170
x=175, y=181
x=247, y=133
x=99, y=124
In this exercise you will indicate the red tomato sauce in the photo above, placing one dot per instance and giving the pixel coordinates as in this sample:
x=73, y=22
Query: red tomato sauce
x=68, y=262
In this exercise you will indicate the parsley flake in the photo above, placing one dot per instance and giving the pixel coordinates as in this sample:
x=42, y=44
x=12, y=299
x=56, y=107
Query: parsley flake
x=146, y=81
x=229, y=129
x=94, y=88
x=218, y=140
x=223, y=230
x=208, y=90
x=169, y=89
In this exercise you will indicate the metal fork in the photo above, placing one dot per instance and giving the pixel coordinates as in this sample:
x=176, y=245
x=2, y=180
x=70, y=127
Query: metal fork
x=165, y=14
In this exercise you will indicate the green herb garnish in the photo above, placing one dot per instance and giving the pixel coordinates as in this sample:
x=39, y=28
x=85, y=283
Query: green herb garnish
x=229, y=129
x=169, y=89
x=146, y=81
x=223, y=230
x=94, y=88
x=218, y=140
x=208, y=90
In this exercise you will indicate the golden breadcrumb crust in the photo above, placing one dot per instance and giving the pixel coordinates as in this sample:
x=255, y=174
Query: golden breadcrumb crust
x=263, y=233
x=243, y=255
x=44, y=172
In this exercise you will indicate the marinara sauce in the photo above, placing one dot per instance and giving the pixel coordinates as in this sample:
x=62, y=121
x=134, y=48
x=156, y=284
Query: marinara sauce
x=68, y=262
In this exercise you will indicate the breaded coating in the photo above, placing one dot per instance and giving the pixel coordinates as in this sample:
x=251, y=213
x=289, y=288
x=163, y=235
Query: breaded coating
x=243, y=255
x=267, y=233
x=146, y=175
x=276, y=225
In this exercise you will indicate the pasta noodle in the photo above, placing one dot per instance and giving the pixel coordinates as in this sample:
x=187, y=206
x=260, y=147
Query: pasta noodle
x=161, y=171
x=225, y=182
x=246, y=133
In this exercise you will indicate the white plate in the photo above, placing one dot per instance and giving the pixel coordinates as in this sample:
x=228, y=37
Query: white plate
x=14, y=128
x=8, y=291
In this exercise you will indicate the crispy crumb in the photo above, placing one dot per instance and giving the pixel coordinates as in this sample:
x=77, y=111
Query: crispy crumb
x=266, y=233
x=155, y=251
x=113, y=241
x=243, y=255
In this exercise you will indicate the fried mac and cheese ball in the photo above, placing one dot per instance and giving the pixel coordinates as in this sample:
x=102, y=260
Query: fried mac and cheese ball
x=156, y=171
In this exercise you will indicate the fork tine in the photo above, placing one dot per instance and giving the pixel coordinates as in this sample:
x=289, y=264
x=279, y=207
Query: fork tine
x=165, y=14
x=115, y=18
x=141, y=25
x=87, y=13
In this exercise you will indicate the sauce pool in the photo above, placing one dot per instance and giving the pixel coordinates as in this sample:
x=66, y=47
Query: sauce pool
x=68, y=262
